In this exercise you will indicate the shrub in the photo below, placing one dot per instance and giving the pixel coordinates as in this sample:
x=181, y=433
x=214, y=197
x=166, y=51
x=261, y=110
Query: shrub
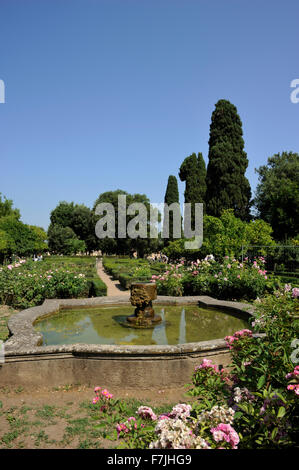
x=26, y=284
x=97, y=288
x=227, y=280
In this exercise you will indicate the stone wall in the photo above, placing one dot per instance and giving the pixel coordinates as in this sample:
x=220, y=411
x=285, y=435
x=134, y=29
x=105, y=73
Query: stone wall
x=28, y=364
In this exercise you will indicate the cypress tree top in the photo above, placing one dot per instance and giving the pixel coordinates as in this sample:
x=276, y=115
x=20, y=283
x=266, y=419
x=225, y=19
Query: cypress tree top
x=171, y=196
x=193, y=171
x=172, y=190
x=227, y=186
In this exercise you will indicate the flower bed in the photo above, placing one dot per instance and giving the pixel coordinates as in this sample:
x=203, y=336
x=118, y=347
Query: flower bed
x=25, y=284
x=128, y=270
x=225, y=280
x=252, y=404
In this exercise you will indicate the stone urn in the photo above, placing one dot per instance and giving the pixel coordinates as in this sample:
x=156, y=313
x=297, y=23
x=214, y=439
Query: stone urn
x=142, y=295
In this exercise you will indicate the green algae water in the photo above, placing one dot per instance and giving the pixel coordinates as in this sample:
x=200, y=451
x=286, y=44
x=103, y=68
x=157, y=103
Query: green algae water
x=105, y=325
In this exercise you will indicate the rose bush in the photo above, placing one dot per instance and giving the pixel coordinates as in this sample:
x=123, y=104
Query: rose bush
x=26, y=284
x=229, y=279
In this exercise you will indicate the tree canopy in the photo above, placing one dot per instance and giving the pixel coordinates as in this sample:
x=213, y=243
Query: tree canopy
x=225, y=235
x=227, y=186
x=6, y=208
x=193, y=171
x=277, y=194
x=20, y=239
x=171, y=196
x=63, y=240
x=17, y=238
x=126, y=245
x=77, y=217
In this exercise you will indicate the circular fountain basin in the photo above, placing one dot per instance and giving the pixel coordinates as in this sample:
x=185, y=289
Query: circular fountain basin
x=180, y=324
x=162, y=357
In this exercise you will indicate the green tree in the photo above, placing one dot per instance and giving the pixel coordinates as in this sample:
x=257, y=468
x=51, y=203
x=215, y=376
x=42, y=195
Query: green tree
x=6, y=208
x=63, y=240
x=277, y=194
x=118, y=245
x=193, y=171
x=18, y=238
x=79, y=218
x=225, y=236
x=40, y=244
x=171, y=196
x=83, y=223
x=62, y=214
x=227, y=186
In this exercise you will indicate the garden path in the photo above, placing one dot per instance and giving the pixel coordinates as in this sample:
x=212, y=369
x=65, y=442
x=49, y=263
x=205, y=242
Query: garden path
x=113, y=287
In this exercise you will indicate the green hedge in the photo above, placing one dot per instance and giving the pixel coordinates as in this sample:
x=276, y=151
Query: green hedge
x=97, y=288
x=123, y=269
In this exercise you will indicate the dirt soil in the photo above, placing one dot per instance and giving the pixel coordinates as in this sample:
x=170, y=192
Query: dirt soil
x=62, y=417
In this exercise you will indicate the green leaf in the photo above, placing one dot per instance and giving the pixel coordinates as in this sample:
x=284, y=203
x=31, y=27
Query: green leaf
x=261, y=381
x=281, y=412
x=100, y=425
x=274, y=433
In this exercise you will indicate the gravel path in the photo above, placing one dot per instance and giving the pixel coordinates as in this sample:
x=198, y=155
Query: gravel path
x=113, y=287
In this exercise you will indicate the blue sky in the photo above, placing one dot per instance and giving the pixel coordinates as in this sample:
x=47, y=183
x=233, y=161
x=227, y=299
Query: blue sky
x=108, y=94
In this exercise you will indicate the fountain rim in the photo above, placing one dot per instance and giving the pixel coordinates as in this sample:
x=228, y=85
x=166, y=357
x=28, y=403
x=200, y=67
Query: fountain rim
x=25, y=340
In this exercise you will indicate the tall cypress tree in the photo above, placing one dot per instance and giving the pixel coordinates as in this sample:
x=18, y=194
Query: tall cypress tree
x=171, y=196
x=227, y=186
x=193, y=171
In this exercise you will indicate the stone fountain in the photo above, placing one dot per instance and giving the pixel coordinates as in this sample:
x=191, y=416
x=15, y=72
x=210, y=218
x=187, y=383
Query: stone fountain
x=142, y=295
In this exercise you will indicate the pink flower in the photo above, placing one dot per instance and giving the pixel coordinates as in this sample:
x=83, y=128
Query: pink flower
x=180, y=411
x=237, y=335
x=164, y=416
x=132, y=418
x=243, y=332
x=295, y=292
x=146, y=413
x=225, y=432
x=105, y=394
x=121, y=428
x=206, y=363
